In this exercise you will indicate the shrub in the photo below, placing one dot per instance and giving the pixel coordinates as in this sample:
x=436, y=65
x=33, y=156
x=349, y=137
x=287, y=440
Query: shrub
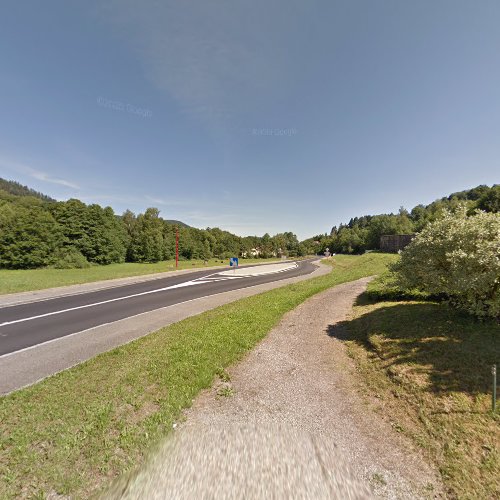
x=458, y=256
x=70, y=258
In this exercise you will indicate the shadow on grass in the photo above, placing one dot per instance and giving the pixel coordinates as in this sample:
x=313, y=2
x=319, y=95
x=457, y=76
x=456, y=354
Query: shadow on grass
x=451, y=351
x=374, y=295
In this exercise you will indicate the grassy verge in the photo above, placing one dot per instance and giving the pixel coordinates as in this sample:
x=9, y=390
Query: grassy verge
x=428, y=367
x=73, y=432
x=23, y=280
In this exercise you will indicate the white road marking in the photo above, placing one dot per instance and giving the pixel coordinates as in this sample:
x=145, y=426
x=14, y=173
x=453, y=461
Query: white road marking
x=29, y=348
x=222, y=276
x=180, y=285
x=259, y=270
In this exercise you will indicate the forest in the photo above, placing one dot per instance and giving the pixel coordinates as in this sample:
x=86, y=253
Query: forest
x=363, y=233
x=38, y=231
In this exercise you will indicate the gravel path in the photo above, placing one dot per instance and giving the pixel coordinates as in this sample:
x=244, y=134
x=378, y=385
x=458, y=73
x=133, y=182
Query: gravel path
x=289, y=424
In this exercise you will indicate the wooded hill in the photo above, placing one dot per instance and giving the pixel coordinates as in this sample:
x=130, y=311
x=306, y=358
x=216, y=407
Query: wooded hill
x=363, y=233
x=37, y=231
x=16, y=189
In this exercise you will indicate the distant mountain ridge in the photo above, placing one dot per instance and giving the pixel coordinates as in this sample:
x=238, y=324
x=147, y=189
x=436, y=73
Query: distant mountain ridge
x=17, y=189
x=177, y=223
x=472, y=194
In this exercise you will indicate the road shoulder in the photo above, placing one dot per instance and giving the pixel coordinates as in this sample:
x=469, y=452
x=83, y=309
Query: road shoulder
x=294, y=394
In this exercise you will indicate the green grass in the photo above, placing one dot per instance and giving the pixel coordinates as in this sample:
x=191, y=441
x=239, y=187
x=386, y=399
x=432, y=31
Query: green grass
x=428, y=367
x=73, y=432
x=22, y=280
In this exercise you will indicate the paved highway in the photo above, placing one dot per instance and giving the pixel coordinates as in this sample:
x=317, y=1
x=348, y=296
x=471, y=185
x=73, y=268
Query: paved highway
x=27, y=325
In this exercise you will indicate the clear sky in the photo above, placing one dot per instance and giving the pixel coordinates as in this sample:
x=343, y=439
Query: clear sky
x=254, y=115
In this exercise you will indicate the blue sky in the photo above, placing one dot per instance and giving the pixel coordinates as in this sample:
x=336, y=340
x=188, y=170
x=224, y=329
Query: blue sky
x=254, y=116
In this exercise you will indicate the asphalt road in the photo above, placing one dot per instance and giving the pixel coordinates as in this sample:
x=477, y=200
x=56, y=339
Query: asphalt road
x=26, y=325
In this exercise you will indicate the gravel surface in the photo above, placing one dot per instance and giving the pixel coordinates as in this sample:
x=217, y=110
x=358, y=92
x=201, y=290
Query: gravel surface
x=289, y=424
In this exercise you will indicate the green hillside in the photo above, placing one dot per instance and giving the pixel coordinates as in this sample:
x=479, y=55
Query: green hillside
x=17, y=189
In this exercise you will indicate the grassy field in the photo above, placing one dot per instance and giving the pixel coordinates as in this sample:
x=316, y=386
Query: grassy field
x=22, y=280
x=428, y=367
x=73, y=432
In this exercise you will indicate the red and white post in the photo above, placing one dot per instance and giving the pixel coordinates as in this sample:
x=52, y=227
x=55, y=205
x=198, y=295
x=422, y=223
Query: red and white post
x=176, y=248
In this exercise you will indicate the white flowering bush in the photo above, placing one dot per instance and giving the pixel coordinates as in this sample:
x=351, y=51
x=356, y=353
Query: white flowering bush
x=457, y=256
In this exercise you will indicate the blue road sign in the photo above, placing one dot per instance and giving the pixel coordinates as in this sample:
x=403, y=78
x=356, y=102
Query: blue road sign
x=233, y=261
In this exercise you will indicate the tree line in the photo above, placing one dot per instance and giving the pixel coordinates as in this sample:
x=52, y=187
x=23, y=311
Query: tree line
x=363, y=233
x=36, y=231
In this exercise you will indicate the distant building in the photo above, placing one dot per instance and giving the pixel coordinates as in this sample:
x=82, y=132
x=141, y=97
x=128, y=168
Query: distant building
x=254, y=252
x=395, y=242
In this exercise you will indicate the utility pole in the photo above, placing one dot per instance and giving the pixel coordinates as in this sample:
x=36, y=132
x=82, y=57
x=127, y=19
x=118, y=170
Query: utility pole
x=176, y=247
